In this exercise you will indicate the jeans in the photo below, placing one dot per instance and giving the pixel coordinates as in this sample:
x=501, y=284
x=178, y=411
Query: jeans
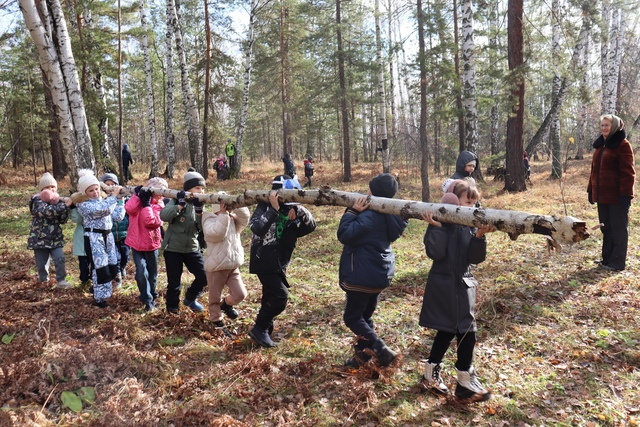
x=275, y=295
x=146, y=274
x=195, y=264
x=122, y=251
x=42, y=263
x=358, y=313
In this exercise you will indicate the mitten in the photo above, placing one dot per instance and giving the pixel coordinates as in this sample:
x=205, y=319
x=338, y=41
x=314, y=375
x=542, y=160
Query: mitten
x=625, y=200
x=137, y=190
x=590, y=197
x=145, y=197
x=180, y=196
x=197, y=204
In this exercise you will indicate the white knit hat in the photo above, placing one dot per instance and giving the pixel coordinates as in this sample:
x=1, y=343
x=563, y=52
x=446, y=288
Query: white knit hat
x=47, y=180
x=157, y=182
x=86, y=180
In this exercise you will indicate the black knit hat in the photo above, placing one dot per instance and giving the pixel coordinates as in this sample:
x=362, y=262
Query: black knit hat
x=193, y=179
x=384, y=185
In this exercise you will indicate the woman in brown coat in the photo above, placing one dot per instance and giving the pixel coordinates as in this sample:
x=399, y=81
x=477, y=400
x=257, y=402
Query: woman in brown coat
x=611, y=187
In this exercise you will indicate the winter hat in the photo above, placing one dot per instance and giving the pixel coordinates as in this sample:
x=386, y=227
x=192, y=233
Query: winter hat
x=157, y=182
x=47, y=180
x=384, y=185
x=110, y=177
x=86, y=180
x=450, y=199
x=193, y=179
x=50, y=197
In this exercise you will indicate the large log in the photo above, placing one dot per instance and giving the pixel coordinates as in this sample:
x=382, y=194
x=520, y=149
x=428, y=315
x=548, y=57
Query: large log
x=562, y=229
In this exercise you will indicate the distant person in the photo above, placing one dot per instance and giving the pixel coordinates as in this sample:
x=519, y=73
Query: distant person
x=230, y=151
x=48, y=213
x=289, y=167
x=127, y=160
x=466, y=164
x=448, y=304
x=308, y=170
x=145, y=238
x=220, y=167
x=181, y=246
x=222, y=259
x=527, y=167
x=367, y=266
x=276, y=228
x=611, y=185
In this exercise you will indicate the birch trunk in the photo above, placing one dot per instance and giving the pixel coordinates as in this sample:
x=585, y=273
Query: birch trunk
x=151, y=116
x=170, y=137
x=495, y=108
x=287, y=140
x=556, y=163
x=562, y=229
x=191, y=109
x=344, y=109
x=50, y=64
x=424, y=147
x=469, y=78
x=382, y=102
x=610, y=84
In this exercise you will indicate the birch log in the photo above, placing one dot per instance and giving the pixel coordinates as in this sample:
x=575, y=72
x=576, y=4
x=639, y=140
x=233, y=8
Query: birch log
x=562, y=229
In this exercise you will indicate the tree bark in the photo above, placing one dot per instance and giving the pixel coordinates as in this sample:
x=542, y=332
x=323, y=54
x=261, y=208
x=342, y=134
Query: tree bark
x=344, y=110
x=151, y=116
x=456, y=62
x=287, y=142
x=382, y=101
x=207, y=94
x=170, y=137
x=556, y=151
x=424, y=148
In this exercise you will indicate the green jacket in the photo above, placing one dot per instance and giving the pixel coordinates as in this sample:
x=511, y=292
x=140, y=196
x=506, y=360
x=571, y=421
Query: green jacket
x=182, y=233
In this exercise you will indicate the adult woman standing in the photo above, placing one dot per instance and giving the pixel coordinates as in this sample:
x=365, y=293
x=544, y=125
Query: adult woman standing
x=611, y=187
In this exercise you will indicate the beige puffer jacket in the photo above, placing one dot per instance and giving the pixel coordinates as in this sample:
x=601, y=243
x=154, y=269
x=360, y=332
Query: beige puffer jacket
x=222, y=234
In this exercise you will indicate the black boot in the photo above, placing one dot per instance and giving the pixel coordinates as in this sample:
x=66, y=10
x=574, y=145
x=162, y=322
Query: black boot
x=385, y=355
x=222, y=328
x=231, y=312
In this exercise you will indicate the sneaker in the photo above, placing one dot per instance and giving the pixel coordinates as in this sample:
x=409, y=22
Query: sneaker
x=194, y=305
x=469, y=387
x=123, y=273
x=432, y=381
x=261, y=336
x=63, y=284
x=221, y=327
x=231, y=312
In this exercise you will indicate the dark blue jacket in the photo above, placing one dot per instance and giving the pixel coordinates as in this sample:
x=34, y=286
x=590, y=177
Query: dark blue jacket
x=367, y=259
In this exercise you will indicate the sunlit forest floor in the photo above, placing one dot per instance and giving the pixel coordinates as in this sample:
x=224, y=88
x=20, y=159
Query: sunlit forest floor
x=558, y=337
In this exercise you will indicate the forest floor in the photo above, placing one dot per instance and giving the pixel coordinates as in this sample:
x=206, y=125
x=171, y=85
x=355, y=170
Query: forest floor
x=558, y=337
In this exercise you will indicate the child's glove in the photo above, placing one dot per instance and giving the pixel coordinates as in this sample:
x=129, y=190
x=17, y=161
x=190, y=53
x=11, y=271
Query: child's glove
x=145, y=197
x=137, y=190
x=198, y=205
x=625, y=200
x=180, y=196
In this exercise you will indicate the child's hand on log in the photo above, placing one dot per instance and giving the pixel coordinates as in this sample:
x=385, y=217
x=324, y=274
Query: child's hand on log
x=428, y=216
x=483, y=229
x=361, y=204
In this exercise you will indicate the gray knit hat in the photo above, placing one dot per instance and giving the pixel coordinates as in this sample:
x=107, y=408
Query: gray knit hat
x=47, y=180
x=110, y=177
x=193, y=179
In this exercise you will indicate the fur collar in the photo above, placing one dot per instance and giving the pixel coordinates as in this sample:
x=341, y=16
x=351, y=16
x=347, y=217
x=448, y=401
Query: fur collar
x=612, y=142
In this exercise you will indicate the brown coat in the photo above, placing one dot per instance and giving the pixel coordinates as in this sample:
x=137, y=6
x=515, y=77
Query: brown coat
x=612, y=170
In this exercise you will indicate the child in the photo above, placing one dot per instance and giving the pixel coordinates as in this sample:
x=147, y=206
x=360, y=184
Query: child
x=466, y=164
x=308, y=170
x=45, y=237
x=78, y=248
x=221, y=168
x=119, y=230
x=367, y=267
x=276, y=228
x=448, y=305
x=98, y=215
x=180, y=244
x=223, y=257
x=144, y=238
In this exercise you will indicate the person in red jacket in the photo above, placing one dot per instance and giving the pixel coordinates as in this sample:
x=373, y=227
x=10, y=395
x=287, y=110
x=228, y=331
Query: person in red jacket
x=144, y=238
x=611, y=187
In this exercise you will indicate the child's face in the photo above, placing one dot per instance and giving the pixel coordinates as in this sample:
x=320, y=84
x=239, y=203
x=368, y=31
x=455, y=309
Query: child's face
x=93, y=192
x=466, y=201
x=51, y=187
x=198, y=189
x=109, y=182
x=470, y=167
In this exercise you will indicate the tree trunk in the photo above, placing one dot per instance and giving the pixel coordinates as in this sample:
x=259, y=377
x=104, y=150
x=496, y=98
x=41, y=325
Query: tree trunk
x=192, y=113
x=287, y=142
x=344, y=110
x=57, y=155
x=610, y=84
x=424, y=148
x=392, y=89
x=515, y=179
x=169, y=136
x=495, y=90
x=382, y=101
x=456, y=61
x=469, y=78
x=207, y=94
x=556, y=151
x=120, y=124
x=151, y=116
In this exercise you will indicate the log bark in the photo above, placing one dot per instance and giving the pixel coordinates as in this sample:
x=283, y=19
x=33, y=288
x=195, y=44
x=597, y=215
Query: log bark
x=562, y=229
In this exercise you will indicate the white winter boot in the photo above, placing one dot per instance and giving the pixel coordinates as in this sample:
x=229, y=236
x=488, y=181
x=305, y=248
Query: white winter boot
x=432, y=381
x=469, y=387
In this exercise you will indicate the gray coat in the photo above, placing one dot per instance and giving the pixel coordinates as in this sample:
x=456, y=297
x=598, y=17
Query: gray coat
x=450, y=294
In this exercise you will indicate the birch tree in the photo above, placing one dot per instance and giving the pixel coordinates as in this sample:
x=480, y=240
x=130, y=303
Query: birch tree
x=611, y=69
x=556, y=161
x=169, y=125
x=344, y=109
x=382, y=101
x=151, y=117
x=469, y=78
x=52, y=41
x=424, y=148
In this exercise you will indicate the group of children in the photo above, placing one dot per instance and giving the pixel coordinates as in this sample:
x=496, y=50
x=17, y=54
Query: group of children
x=367, y=262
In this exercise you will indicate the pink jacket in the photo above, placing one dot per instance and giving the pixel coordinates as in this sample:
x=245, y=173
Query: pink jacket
x=144, y=224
